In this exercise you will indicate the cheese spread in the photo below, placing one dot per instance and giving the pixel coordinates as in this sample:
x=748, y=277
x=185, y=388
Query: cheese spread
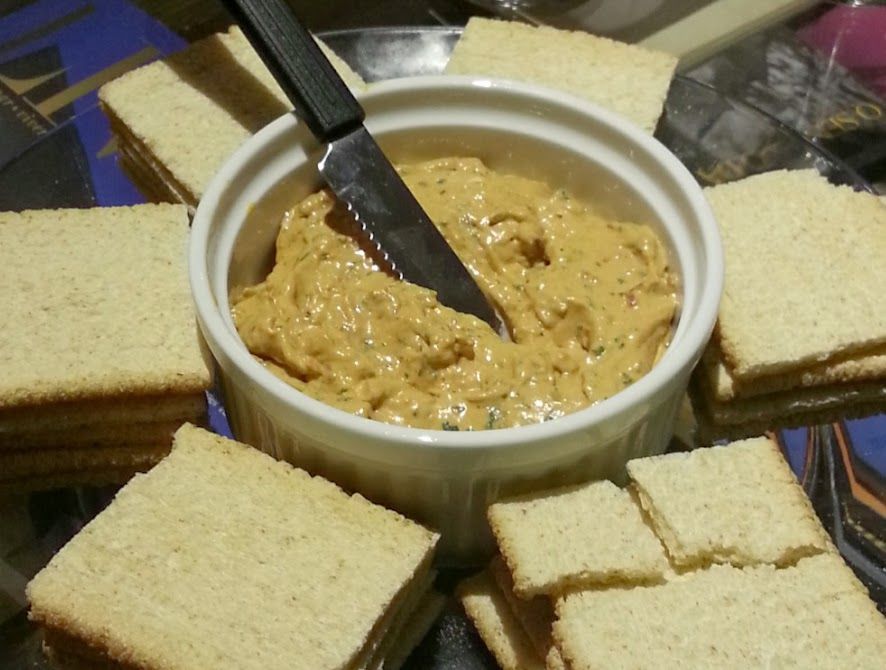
x=589, y=304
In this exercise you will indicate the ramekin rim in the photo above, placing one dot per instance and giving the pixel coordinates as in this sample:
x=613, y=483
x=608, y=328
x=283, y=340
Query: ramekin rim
x=677, y=356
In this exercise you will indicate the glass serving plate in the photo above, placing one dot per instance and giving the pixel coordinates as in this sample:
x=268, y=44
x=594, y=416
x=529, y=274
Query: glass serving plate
x=841, y=465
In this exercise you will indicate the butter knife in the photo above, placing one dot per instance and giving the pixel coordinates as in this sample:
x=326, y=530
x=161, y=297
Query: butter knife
x=353, y=165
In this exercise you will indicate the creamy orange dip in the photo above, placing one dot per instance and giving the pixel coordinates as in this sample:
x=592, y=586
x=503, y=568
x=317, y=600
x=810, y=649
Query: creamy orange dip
x=589, y=304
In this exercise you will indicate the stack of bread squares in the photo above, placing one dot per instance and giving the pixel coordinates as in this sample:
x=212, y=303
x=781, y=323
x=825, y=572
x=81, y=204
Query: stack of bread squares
x=708, y=559
x=100, y=360
x=223, y=557
x=801, y=333
x=176, y=121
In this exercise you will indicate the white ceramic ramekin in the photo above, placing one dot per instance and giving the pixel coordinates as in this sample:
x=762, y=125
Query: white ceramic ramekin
x=447, y=479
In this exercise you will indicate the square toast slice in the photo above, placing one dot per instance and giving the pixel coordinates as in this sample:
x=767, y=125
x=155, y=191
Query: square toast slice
x=575, y=537
x=96, y=305
x=737, y=504
x=625, y=78
x=814, y=615
x=804, y=272
x=219, y=554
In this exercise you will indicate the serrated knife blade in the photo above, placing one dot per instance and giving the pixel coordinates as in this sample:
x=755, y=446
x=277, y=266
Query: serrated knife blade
x=353, y=165
x=363, y=178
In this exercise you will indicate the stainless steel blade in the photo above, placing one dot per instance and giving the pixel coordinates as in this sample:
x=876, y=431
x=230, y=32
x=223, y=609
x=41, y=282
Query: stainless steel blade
x=364, y=179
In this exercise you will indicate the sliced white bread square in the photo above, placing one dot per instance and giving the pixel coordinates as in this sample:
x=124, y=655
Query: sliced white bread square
x=97, y=305
x=804, y=272
x=814, y=616
x=575, y=537
x=737, y=504
x=627, y=79
x=219, y=554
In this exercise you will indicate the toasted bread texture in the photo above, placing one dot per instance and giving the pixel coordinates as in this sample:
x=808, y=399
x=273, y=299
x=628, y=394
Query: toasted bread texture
x=804, y=272
x=627, y=79
x=109, y=435
x=103, y=413
x=575, y=537
x=219, y=554
x=535, y=615
x=96, y=305
x=501, y=631
x=737, y=504
x=856, y=369
x=774, y=407
x=188, y=113
x=44, y=462
x=417, y=625
x=814, y=615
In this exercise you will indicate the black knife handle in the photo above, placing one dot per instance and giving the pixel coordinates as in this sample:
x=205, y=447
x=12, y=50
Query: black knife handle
x=321, y=99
